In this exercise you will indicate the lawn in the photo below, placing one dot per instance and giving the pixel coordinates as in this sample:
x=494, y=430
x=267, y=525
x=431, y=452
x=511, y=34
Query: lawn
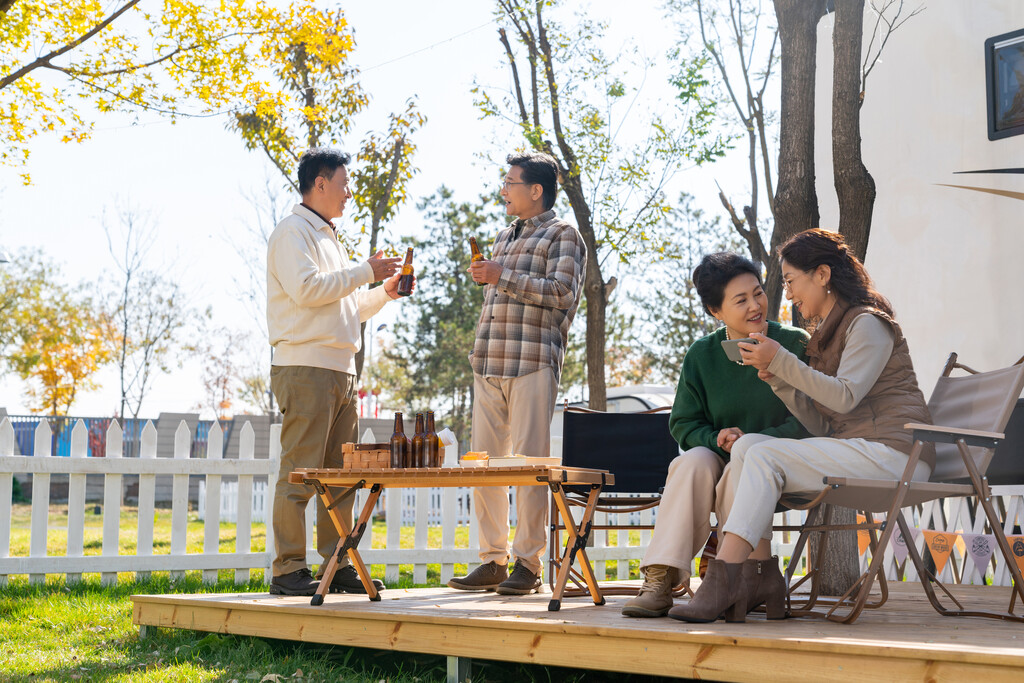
x=83, y=631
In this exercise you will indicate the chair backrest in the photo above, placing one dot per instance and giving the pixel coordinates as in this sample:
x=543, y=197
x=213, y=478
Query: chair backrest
x=636, y=447
x=982, y=401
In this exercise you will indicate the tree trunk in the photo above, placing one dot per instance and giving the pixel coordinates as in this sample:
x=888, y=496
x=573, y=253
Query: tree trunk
x=854, y=185
x=595, y=290
x=796, y=202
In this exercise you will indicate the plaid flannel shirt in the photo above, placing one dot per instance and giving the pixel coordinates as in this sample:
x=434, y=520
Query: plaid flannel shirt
x=524, y=324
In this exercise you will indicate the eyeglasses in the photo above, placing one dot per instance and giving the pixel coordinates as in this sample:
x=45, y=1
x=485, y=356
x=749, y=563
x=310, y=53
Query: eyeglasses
x=787, y=285
x=505, y=184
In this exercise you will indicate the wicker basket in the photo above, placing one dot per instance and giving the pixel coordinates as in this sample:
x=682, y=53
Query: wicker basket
x=362, y=456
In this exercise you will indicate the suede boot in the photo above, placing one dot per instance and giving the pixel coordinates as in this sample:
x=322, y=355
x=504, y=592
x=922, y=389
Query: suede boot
x=765, y=586
x=722, y=593
x=655, y=597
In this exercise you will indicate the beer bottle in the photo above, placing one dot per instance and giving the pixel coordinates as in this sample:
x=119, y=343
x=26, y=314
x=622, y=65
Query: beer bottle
x=405, y=281
x=476, y=255
x=419, y=444
x=399, y=444
x=433, y=447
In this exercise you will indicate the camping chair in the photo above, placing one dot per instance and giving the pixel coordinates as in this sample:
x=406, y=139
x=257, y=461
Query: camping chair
x=637, y=448
x=969, y=414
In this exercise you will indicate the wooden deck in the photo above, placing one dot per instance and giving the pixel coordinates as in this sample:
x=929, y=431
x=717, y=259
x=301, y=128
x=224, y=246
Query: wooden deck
x=904, y=641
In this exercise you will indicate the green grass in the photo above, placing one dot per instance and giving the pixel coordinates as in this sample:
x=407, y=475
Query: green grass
x=84, y=632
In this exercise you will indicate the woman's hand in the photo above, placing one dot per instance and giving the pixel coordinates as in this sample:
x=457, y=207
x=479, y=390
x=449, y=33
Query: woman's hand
x=765, y=376
x=727, y=437
x=759, y=355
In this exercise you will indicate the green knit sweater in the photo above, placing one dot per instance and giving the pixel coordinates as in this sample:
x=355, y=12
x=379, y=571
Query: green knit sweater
x=715, y=393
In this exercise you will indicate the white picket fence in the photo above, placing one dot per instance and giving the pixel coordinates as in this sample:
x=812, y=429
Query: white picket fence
x=234, y=505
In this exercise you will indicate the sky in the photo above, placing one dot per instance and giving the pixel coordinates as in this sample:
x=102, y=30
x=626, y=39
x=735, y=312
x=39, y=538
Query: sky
x=193, y=177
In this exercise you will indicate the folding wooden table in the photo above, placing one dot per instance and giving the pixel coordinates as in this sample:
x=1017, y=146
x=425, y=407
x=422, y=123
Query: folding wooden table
x=556, y=478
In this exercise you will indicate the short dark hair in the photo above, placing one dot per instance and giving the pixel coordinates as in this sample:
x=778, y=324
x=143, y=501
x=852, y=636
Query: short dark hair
x=538, y=169
x=714, y=274
x=319, y=161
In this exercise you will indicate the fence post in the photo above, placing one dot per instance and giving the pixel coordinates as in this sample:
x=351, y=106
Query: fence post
x=112, y=497
x=76, y=497
x=40, y=498
x=246, y=451
x=393, y=536
x=211, y=517
x=179, y=497
x=147, y=496
x=6, y=492
x=275, y=472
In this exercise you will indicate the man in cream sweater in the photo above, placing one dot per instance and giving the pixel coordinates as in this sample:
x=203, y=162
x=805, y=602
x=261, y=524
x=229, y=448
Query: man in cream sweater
x=316, y=301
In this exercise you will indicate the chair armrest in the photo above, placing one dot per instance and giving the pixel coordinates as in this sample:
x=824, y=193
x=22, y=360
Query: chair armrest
x=941, y=434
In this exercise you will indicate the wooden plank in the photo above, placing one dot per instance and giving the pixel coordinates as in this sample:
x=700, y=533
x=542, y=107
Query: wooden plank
x=147, y=495
x=909, y=642
x=211, y=524
x=419, y=571
x=29, y=465
x=40, y=499
x=243, y=529
x=112, y=501
x=7, y=442
x=179, y=496
x=76, y=497
x=440, y=476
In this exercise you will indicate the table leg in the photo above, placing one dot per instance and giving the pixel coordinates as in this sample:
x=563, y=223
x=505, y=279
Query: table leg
x=576, y=544
x=348, y=544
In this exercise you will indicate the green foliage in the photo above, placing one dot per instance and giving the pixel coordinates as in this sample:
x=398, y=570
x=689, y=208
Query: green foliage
x=669, y=313
x=385, y=169
x=17, y=495
x=55, y=338
x=427, y=367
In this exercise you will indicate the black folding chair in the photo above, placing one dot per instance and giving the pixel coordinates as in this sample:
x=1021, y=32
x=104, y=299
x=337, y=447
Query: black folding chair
x=637, y=448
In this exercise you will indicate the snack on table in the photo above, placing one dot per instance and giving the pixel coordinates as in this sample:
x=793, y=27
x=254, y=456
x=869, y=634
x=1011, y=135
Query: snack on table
x=473, y=459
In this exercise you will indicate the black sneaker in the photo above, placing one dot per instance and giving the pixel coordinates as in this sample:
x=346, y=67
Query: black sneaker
x=486, y=577
x=521, y=582
x=298, y=582
x=346, y=580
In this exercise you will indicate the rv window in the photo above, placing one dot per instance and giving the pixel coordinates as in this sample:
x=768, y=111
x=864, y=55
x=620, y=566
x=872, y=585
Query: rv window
x=1004, y=71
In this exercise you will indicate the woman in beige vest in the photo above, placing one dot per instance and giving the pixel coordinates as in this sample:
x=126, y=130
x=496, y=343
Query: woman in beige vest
x=853, y=395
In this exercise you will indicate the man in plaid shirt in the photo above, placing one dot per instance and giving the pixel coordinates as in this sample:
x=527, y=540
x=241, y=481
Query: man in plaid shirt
x=533, y=286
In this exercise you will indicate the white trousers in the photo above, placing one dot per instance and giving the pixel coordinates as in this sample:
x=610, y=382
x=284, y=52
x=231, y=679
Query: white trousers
x=513, y=415
x=767, y=467
x=699, y=482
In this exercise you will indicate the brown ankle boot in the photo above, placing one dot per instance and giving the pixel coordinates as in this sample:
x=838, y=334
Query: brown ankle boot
x=765, y=585
x=723, y=592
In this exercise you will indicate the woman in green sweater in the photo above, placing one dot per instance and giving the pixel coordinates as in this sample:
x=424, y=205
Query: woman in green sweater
x=717, y=401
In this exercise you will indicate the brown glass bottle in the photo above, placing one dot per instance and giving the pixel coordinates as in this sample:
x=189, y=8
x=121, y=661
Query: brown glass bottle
x=419, y=444
x=406, y=279
x=399, y=444
x=433, y=446
x=474, y=249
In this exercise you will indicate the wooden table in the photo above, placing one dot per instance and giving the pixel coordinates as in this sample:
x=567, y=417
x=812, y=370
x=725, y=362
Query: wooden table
x=556, y=478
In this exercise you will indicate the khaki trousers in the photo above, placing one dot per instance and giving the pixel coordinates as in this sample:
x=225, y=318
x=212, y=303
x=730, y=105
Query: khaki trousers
x=320, y=414
x=698, y=483
x=767, y=467
x=513, y=415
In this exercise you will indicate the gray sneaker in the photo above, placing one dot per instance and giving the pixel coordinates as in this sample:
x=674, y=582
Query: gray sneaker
x=521, y=582
x=655, y=597
x=486, y=577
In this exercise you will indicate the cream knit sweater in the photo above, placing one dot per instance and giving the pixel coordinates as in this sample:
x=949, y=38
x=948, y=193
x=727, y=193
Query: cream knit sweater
x=314, y=298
